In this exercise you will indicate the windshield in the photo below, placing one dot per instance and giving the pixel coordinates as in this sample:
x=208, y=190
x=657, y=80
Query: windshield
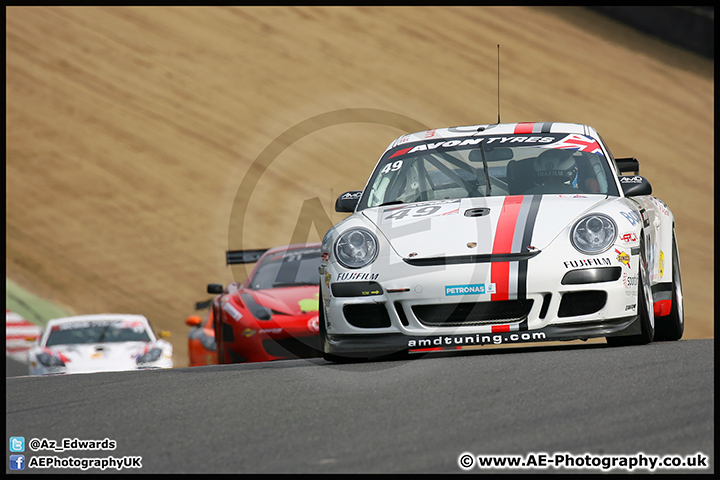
x=480, y=166
x=287, y=269
x=97, y=332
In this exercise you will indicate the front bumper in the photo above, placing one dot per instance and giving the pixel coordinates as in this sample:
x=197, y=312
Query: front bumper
x=551, y=296
x=359, y=345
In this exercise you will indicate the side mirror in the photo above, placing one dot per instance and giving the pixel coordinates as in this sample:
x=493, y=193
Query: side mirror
x=347, y=202
x=214, y=288
x=635, y=185
x=626, y=165
x=193, y=321
x=203, y=305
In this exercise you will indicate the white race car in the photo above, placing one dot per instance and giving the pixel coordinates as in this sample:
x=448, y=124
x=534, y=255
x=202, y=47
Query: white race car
x=498, y=234
x=98, y=343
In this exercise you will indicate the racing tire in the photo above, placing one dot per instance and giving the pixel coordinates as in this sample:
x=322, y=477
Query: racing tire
x=219, y=344
x=221, y=354
x=671, y=327
x=646, y=312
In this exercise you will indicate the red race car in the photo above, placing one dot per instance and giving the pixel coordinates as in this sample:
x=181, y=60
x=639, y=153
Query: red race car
x=273, y=314
x=201, y=338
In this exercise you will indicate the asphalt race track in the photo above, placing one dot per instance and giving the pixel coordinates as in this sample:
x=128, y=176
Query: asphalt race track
x=418, y=416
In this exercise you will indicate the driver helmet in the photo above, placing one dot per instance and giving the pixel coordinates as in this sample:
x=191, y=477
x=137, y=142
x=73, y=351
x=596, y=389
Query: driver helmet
x=555, y=166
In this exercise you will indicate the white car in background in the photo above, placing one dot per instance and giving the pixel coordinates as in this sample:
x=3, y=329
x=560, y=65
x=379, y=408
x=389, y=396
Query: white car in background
x=499, y=234
x=98, y=343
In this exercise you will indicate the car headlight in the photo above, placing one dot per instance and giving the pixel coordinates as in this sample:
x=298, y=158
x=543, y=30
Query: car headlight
x=150, y=356
x=49, y=360
x=593, y=234
x=356, y=248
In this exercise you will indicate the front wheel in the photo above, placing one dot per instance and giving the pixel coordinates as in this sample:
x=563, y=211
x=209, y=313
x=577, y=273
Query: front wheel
x=646, y=312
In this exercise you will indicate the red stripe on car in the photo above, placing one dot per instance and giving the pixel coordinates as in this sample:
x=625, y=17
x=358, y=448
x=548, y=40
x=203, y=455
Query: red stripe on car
x=524, y=127
x=500, y=328
x=500, y=271
x=401, y=152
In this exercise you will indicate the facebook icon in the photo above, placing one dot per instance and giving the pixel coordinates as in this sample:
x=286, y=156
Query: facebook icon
x=17, y=462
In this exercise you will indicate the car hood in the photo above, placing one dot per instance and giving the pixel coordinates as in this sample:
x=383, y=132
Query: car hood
x=289, y=300
x=477, y=226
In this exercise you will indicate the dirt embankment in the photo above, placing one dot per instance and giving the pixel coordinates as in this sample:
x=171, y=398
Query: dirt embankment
x=130, y=130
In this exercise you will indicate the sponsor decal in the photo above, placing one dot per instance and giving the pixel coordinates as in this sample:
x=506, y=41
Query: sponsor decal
x=587, y=262
x=662, y=263
x=310, y=304
x=472, y=244
x=426, y=209
x=579, y=142
x=570, y=142
x=479, y=288
x=351, y=195
x=631, y=217
x=232, y=311
x=629, y=237
x=392, y=167
x=661, y=206
x=571, y=196
x=96, y=323
x=445, y=144
x=534, y=139
x=631, y=179
x=630, y=281
x=474, y=141
x=328, y=277
x=370, y=292
x=356, y=276
x=447, y=341
x=325, y=257
x=274, y=331
x=248, y=332
x=400, y=152
x=630, y=307
x=623, y=258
